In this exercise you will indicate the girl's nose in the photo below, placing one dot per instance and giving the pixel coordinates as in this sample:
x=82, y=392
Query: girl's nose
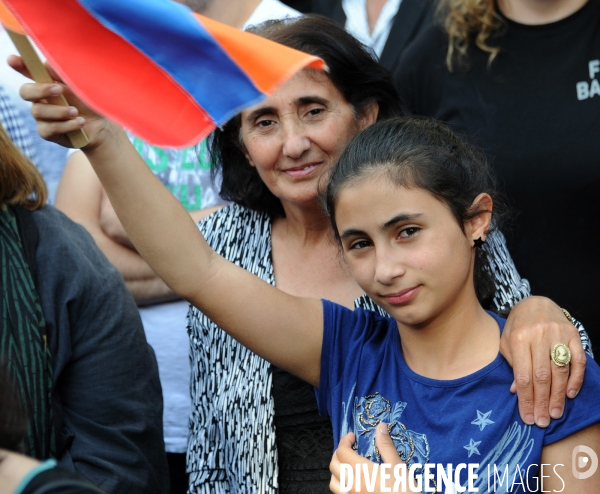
x=388, y=267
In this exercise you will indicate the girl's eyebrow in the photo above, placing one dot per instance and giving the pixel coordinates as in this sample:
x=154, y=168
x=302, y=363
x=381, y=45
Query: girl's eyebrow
x=351, y=232
x=399, y=218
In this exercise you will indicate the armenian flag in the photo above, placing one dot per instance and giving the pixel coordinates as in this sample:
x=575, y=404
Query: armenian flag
x=155, y=67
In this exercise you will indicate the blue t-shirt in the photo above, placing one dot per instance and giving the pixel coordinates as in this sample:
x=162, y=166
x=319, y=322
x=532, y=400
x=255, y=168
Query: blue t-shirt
x=473, y=419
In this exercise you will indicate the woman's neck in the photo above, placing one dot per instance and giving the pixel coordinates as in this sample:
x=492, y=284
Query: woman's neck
x=307, y=225
x=456, y=343
x=306, y=259
x=536, y=12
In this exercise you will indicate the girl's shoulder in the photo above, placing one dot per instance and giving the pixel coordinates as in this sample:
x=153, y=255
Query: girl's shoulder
x=350, y=326
x=580, y=412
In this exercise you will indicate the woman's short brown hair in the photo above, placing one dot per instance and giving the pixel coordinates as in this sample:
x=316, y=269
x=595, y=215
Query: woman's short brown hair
x=20, y=181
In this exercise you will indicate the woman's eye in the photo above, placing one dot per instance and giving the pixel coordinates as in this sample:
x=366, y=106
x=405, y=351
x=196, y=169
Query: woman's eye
x=409, y=232
x=315, y=111
x=264, y=123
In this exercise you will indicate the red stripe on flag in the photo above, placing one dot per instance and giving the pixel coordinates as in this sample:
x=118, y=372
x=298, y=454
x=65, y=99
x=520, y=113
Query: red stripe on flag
x=115, y=76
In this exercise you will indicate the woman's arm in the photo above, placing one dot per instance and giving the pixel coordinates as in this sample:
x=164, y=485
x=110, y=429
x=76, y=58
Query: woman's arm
x=283, y=329
x=533, y=327
x=569, y=457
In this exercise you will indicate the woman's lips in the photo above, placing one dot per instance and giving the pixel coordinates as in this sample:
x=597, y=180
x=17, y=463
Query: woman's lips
x=301, y=171
x=403, y=296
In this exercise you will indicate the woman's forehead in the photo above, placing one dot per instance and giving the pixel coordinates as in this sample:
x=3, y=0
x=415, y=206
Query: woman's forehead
x=302, y=85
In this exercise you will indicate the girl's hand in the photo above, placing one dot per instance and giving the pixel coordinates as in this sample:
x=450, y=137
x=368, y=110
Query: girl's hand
x=532, y=329
x=344, y=454
x=54, y=121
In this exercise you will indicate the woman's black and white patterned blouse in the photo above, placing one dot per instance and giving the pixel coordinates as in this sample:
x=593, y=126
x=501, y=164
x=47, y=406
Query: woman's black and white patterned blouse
x=232, y=444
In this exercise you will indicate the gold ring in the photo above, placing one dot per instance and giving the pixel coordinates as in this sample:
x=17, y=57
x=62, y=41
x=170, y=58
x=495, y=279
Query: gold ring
x=561, y=355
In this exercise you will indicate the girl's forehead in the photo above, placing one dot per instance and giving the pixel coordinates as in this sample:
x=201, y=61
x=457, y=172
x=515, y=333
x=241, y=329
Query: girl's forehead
x=376, y=200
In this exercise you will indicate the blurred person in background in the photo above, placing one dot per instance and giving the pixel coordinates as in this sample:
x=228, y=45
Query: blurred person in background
x=16, y=118
x=73, y=342
x=22, y=474
x=387, y=26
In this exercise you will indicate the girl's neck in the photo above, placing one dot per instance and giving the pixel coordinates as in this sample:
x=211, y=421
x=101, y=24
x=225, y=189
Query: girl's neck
x=536, y=12
x=458, y=342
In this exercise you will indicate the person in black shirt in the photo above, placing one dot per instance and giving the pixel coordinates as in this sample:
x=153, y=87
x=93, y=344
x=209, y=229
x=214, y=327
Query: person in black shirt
x=19, y=473
x=524, y=85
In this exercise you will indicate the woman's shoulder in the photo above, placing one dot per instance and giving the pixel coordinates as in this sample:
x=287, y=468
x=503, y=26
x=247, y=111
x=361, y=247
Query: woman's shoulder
x=233, y=216
x=367, y=303
x=238, y=233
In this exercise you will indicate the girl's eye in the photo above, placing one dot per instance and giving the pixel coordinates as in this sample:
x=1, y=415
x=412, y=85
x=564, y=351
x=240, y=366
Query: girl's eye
x=359, y=245
x=409, y=232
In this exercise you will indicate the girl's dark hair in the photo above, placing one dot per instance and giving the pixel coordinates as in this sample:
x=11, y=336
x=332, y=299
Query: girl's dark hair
x=351, y=68
x=424, y=153
x=13, y=419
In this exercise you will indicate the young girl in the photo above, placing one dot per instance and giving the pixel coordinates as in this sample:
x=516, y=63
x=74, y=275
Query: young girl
x=409, y=203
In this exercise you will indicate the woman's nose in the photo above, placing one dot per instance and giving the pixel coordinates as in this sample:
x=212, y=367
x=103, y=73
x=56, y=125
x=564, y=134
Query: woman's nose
x=296, y=142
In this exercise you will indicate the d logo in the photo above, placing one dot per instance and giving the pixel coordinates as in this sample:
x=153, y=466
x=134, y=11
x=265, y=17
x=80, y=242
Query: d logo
x=582, y=462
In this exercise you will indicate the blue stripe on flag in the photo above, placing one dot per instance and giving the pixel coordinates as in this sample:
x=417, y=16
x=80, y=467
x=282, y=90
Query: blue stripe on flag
x=173, y=38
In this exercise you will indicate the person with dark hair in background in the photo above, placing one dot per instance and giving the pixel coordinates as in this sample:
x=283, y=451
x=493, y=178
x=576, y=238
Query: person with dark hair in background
x=256, y=428
x=73, y=343
x=521, y=80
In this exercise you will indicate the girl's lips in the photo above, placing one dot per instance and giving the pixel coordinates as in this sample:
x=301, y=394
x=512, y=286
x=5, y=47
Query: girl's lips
x=301, y=171
x=402, y=297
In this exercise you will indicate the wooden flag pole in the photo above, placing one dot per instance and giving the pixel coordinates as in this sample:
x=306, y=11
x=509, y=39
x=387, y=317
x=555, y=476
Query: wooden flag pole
x=39, y=73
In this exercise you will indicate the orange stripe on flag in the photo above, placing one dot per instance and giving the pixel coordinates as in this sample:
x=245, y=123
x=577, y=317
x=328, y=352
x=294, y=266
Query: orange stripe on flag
x=9, y=21
x=249, y=54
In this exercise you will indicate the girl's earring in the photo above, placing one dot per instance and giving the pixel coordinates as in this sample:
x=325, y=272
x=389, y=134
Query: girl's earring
x=478, y=242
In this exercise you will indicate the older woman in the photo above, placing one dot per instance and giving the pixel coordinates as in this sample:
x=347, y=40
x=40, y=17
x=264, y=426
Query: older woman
x=274, y=156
